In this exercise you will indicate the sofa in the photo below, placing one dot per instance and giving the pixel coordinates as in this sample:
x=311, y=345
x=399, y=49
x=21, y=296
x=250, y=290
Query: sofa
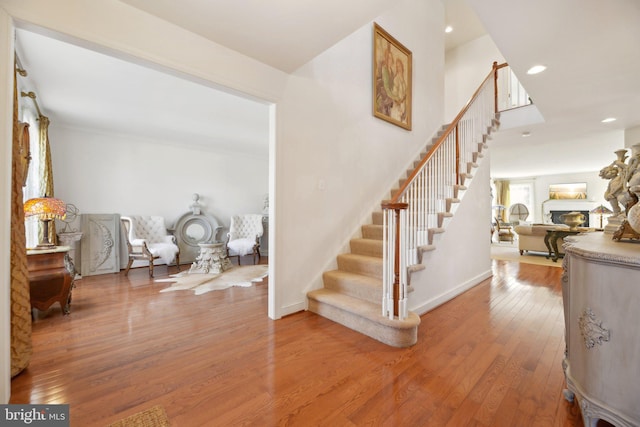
x=531, y=237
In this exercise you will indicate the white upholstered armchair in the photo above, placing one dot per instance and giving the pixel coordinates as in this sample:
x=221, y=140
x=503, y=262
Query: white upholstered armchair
x=147, y=239
x=244, y=236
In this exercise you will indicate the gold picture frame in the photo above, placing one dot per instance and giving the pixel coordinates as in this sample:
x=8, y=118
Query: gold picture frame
x=392, y=71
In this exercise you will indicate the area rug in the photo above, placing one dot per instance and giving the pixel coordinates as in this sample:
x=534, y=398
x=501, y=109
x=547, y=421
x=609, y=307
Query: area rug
x=243, y=276
x=153, y=417
x=511, y=253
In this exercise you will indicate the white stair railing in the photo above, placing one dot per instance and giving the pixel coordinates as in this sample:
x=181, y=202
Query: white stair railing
x=417, y=209
x=511, y=92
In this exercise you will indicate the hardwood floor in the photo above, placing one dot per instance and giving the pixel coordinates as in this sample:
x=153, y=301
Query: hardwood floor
x=491, y=357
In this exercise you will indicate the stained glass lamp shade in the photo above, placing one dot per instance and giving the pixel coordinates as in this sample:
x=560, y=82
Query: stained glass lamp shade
x=45, y=209
x=601, y=211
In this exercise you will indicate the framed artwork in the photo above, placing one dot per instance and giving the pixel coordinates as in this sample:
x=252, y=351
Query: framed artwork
x=575, y=191
x=391, y=79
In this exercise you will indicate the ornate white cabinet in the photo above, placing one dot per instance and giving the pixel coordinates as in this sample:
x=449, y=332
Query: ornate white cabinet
x=601, y=296
x=100, y=244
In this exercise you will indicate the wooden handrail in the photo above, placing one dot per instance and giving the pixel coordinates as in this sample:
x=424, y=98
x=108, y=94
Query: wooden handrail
x=448, y=130
x=496, y=67
x=414, y=214
x=394, y=205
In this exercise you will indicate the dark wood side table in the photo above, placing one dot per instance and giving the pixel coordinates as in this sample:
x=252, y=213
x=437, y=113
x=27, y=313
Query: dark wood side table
x=551, y=241
x=50, y=278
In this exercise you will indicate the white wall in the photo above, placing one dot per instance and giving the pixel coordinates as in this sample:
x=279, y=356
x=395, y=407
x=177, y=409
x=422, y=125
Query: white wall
x=465, y=68
x=462, y=257
x=340, y=161
x=114, y=173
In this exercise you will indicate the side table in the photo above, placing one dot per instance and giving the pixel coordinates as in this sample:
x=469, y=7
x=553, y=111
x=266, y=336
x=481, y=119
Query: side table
x=50, y=278
x=212, y=259
x=551, y=241
x=71, y=239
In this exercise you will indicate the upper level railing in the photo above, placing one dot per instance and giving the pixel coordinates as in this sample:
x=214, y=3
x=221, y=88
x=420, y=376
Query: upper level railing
x=511, y=93
x=417, y=210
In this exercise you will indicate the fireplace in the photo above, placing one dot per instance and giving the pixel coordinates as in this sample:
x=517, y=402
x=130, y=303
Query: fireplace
x=555, y=217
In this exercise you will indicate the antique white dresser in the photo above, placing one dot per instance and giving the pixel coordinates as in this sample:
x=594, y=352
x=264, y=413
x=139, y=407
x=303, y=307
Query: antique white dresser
x=601, y=296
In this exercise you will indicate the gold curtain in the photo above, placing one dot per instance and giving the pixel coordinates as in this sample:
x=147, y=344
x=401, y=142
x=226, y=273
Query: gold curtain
x=21, y=347
x=503, y=197
x=46, y=174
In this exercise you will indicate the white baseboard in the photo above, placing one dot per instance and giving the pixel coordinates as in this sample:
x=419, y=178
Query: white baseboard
x=293, y=308
x=421, y=309
x=451, y=294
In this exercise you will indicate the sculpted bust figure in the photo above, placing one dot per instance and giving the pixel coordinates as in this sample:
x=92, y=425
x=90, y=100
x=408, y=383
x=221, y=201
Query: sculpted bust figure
x=616, y=189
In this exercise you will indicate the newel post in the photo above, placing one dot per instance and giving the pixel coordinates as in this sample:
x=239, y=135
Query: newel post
x=393, y=253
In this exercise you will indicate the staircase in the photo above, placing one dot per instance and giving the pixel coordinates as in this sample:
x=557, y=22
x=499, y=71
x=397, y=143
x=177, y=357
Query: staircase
x=352, y=293
x=368, y=291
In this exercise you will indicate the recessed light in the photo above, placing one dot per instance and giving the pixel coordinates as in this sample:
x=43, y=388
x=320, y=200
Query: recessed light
x=526, y=134
x=448, y=29
x=536, y=69
x=609, y=120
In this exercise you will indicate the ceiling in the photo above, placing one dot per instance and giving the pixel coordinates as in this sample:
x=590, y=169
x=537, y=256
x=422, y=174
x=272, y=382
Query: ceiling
x=465, y=24
x=592, y=55
x=80, y=88
x=589, y=46
x=282, y=33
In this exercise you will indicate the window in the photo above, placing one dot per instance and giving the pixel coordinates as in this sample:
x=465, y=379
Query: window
x=523, y=192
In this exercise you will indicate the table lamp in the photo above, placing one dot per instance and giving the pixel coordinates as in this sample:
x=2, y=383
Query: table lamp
x=46, y=209
x=601, y=210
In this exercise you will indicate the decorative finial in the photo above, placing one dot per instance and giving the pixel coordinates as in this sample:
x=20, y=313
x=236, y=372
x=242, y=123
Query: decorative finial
x=195, y=206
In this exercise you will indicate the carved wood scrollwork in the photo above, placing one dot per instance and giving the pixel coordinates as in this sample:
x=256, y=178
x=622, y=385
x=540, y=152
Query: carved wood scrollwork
x=592, y=330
